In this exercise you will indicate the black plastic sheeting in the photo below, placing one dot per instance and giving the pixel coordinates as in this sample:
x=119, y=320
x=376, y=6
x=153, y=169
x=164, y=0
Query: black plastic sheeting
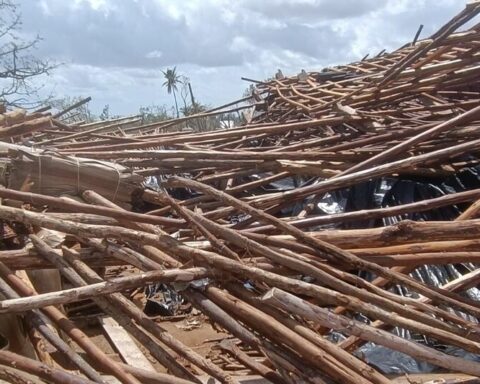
x=387, y=192
x=390, y=192
x=380, y=193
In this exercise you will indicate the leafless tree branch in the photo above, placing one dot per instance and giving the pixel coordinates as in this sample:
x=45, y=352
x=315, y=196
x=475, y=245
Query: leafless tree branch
x=20, y=71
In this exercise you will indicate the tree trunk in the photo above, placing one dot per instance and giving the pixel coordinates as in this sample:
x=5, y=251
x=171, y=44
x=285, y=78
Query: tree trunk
x=176, y=104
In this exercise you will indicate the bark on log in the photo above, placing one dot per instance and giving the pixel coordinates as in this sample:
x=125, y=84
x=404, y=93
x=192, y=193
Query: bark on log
x=69, y=327
x=89, y=291
x=288, y=302
x=39, y=369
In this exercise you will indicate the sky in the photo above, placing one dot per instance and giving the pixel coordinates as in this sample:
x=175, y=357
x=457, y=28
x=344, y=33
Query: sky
x=115, y=50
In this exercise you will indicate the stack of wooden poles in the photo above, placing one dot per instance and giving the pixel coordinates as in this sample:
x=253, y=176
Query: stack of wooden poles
x=203, y=214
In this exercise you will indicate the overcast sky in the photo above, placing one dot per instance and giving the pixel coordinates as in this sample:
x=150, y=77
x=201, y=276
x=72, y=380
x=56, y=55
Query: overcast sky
x=114, y=50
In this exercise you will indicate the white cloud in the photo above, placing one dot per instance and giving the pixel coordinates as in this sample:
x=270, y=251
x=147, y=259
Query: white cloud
x=115, y=50
x=155, y=54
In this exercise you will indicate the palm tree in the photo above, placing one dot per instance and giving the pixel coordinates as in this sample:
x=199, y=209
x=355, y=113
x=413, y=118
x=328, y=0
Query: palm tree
x=171, y=81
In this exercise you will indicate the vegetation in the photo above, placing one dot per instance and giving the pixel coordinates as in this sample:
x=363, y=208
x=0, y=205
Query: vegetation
x=154, y=113
x=21, y=76
x=20, y=70
x=172, y=79
x=80, y=114
x=105, y=115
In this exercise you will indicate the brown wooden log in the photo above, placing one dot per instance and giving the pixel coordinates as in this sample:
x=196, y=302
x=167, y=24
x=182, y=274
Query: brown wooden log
x=420, y=206
x=330, y=251
x=405, y=232
x=471, y=212
x=38, y=320
x=67, y=326
x=121, y=302
x=12, y=375
x=389, y=154
x=427, y=258
x=103, y=288
x=73, y=206
x=269, y=326
x=26, y=127
x=276, y=297
x=149, y=377
x=39, y=369
x=421, y=247
x=255, y=366
x=28, y=259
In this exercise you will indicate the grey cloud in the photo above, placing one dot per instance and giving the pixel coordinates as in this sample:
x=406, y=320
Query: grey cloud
x=125, y=36
x=129, y=33
x=117, y=54
x=313, y=10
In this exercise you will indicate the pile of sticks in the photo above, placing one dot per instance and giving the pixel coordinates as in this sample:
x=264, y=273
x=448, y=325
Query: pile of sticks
x=232, y=220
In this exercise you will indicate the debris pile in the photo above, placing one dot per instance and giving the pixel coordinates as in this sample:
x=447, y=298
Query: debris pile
x=331, y=238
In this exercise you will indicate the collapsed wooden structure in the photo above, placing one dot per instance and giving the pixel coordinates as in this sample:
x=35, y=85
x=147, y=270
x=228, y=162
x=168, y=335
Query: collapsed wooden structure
x=243, y=222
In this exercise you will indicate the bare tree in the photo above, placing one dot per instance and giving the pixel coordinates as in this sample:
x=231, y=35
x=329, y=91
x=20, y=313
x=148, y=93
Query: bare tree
x=80, y=113
x=20, y=70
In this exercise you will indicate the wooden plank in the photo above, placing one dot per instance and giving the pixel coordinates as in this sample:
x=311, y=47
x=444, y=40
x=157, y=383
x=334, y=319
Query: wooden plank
x=129, y=351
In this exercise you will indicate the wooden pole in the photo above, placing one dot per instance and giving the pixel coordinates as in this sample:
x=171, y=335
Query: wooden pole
x=103, y=288
x=326, y=318
x=41, y=370
x=69, y=327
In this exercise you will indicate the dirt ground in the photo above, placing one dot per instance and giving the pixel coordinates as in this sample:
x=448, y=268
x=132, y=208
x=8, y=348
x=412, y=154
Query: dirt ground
x=193, y=331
